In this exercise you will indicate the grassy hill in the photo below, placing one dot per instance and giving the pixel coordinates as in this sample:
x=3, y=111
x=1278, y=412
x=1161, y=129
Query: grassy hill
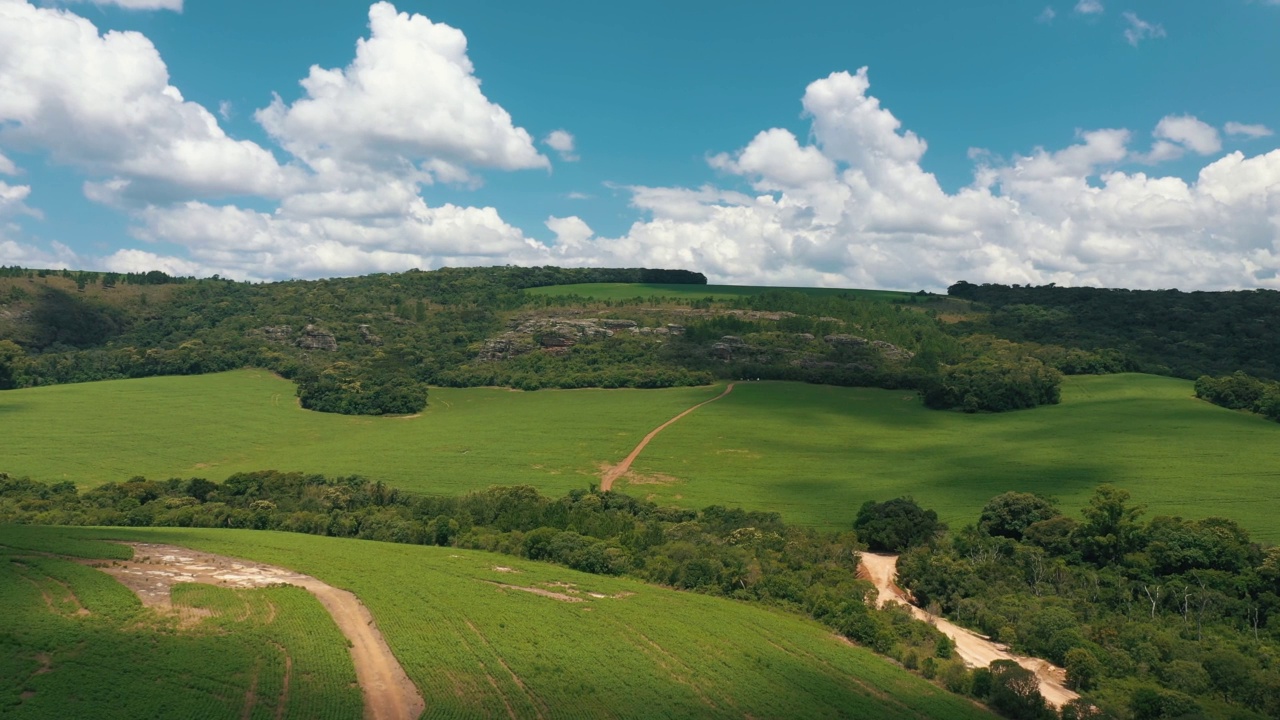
x=474, y=648
x=813, y=453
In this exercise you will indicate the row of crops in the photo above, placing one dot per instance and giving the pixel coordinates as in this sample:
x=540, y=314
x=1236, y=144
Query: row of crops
x=76, y=643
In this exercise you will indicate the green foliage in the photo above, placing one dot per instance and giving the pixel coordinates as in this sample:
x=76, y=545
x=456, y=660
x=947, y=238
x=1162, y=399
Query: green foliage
x=994, y=385
x=1010, y=514
x=896, y=525
x=1015, y=692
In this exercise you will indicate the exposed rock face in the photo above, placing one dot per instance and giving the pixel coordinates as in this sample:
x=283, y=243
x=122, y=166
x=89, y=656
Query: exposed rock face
x=674, y=329
x=842, y=340
x=891, y=351
x=316, y=338
x=278, y=333
x=503, y=348
x=617, y=324
x=367, y=336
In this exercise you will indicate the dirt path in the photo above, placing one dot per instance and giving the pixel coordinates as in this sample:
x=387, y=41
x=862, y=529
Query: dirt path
x=974, y=649
x=388, y=692
x=617, y=471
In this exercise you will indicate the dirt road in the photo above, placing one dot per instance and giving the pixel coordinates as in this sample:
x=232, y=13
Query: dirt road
x=617, y=471
x=388, y=692
x=974, y=649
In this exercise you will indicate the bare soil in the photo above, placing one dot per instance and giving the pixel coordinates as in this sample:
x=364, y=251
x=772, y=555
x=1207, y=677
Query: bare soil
x=974, y=649
x=388, y=692
x=611, y=474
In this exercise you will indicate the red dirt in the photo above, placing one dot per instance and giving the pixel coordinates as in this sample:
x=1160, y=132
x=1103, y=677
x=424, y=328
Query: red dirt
x=617, y=471
x=974, y=649
x=388, y=692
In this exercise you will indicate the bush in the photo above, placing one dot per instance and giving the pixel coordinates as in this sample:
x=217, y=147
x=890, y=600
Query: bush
x=994, y=385
x=895, y=525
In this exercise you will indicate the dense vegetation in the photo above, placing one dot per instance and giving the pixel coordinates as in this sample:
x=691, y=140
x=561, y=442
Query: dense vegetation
x=1166, y=332
x=371, y=345
x=1240, y=391
x=1157, y=619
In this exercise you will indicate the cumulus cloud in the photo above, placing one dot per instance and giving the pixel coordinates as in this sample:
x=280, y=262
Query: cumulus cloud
x=1175, y=134
x=409, y=98
x=1047, y=15
x=1140, y=29
x=1089, y=7
x=175, y=5
x=563, y=142
x=1249, y=131
x=103, y=103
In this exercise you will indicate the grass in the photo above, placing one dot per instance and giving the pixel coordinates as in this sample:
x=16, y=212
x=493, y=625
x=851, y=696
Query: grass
x=817, y=453
x=76, y=643
x=813, y=453
x=629, y=291
x=627, y=650
x=214, y=425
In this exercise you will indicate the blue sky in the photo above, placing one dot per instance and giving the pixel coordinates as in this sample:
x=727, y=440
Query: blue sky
x=1079, y=142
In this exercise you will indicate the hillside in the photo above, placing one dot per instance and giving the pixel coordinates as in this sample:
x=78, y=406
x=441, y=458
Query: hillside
x=471, y=637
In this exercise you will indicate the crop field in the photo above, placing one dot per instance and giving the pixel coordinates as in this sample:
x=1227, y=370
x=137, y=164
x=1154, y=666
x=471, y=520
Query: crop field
x=629, y=291
x=76, y=643
x=815, y=454
x=478, y=643
x=214, y=425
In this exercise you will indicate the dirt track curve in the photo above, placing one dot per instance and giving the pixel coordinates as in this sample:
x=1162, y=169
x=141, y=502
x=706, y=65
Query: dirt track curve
x=388, y=692
x=974, y=649
x=617, y=471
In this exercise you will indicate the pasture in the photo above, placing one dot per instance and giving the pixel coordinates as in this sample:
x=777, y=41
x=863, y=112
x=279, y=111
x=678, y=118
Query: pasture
x=813, y=453
x=478, y=643
x=630, y=291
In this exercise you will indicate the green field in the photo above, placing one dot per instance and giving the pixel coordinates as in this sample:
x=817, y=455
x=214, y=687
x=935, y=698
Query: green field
x=629, y=291
x=74, y=643
x=814, y=453
x=214, y=425
x=478, y=649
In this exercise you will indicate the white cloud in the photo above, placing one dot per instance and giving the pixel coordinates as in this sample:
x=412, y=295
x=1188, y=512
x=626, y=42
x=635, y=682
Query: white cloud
x=1190, y=132
x=369, y=115
x=1089, y=7
x=563, y=142
x=1250, y=131
x=575, y=195
x=1140, y=29
x=103, y=103
x=7, y=167
x=1047, y=15
x=225, y=109
x=175, y=5
x=569, y=231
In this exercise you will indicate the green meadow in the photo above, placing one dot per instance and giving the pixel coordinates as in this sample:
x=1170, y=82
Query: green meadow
x=477, y=645
x=630, y=291
x=813, y=453
x=215, y=425
x=816, y=453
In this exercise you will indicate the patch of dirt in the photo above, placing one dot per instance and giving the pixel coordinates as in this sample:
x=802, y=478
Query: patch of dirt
x=388, y=692
x=46, y=664
x=282, y=702
x=538, y=591
x=974, y=649
x=504, y=569
x=634, y=478
x=610, y=475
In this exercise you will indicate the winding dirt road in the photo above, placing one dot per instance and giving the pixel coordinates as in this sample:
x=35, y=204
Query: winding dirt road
x=155, y=569
x=617, y=471
x=974, y=649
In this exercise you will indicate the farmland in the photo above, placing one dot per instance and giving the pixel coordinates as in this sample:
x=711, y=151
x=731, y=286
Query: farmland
x=78, y=644
x=813, y=453
x=469, y=633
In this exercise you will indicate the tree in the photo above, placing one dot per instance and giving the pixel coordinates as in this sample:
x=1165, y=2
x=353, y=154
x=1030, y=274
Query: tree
x=895, y=525
x=1111, y=525
x=1083, y=669
x=1015, y=692
x=1230, y=672
x=9, y=354
x=1010, y=514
